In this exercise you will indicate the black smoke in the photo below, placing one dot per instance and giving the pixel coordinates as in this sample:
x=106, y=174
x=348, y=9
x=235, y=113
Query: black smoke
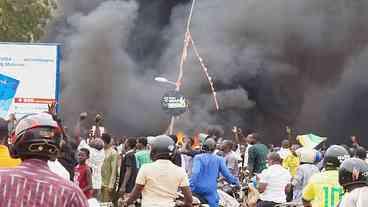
x=275, y=64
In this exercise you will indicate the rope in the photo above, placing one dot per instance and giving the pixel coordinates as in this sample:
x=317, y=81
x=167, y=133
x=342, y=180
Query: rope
x=205, y=70
x=185, y=48
x=189, y=40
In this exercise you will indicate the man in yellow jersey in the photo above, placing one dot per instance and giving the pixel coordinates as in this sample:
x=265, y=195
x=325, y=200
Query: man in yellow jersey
x=292, y=161
x=5, y=160
x=323, y=189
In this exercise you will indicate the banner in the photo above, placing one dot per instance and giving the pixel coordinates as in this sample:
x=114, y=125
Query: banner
x=310, y=140
x=8, y=88
x=33, y=75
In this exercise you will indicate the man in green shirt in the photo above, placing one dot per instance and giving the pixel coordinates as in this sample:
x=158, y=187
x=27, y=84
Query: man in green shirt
x=257, y=155
x=143, y=154
x=109, y=170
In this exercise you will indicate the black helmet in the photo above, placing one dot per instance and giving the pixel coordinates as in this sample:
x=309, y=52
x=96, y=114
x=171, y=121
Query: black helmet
x=209, y=145
x=334, y=156
x=361, y=153
x=36, y=135
x=353, y=171
x=163, y=147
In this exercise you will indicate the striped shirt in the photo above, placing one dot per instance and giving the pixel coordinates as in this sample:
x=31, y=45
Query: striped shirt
x=32, y=184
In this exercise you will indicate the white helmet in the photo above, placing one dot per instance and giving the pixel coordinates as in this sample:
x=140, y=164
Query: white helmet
x=306, y=155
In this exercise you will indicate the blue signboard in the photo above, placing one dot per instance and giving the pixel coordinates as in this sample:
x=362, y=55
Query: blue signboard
x=8, y=88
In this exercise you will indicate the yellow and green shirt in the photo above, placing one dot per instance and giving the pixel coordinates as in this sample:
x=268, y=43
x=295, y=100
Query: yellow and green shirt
x=323, y=189
x=109, y=168
x=291, y=162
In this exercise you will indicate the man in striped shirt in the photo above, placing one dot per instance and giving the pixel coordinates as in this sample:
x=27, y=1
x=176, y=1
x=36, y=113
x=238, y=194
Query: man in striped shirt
x=37, y=139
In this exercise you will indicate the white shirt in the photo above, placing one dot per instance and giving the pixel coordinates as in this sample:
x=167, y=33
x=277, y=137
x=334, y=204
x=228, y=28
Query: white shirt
x=246, y=155
x=93, y=202
x=356, y=198
x=119, y=149
x=237, y=153
x=283, y=152
x=95, y=161
x=102, y=130
x=276, y=177
x=58, y=168
x=232, y=163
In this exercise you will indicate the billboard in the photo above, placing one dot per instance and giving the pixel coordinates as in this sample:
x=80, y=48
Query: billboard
x=174, y=103
x=29, y=77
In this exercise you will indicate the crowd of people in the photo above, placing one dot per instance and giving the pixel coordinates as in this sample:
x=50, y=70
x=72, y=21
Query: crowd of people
x=41, y=166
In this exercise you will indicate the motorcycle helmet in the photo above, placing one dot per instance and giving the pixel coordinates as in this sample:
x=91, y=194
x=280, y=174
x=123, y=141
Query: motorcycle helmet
x=36, y=135
x=162, y=147
x=209, y=145
x=353, y=172
x=334, y=156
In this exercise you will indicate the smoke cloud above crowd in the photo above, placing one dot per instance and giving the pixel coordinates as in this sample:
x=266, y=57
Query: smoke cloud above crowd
x=280, y=63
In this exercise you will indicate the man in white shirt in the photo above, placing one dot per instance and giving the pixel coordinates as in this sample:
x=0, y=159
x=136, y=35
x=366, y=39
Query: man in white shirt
x=243, y=146
x=95, y=161
x=273, y=182
x=230, y=157
x=159, y=181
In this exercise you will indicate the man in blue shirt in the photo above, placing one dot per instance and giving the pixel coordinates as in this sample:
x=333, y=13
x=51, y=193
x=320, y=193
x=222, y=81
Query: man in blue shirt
x=206, y=169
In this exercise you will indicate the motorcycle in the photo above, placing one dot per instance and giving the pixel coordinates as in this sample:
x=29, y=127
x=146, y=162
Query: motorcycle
x=94, y=203
x=225, y=200
x=179, y=201
x=290, y=204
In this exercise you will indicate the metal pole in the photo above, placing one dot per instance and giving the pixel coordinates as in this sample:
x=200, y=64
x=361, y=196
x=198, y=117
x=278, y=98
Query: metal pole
x=171, y=127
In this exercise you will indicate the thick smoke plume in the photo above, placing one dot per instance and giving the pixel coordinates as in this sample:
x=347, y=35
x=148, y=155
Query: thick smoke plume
x=281, y=63
x=100, y=76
